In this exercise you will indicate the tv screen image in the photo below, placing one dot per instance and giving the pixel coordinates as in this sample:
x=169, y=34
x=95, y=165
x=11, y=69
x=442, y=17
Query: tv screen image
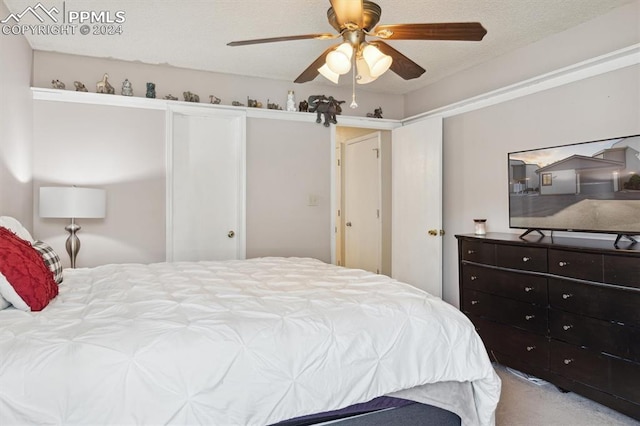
x=586, y=187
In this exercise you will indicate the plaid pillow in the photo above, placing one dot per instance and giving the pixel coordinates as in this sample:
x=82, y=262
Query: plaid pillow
x=51, y=259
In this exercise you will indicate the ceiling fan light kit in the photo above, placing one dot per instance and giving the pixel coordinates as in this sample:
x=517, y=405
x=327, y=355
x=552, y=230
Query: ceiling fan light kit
x=354, y=20
x=326, y=72
x=339, y=60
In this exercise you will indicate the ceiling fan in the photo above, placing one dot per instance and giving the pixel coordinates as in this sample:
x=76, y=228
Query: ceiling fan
x=354, y=20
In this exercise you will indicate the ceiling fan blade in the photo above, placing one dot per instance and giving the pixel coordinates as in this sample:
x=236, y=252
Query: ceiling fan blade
x=464, y=31
x=323, y=36
x=401, y=65
x=348, y=11
x=312, y=70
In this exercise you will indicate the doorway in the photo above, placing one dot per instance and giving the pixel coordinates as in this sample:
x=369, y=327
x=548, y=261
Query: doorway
x=363, y=188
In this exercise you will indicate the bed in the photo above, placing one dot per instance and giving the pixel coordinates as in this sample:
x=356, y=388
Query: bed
x=241, y=342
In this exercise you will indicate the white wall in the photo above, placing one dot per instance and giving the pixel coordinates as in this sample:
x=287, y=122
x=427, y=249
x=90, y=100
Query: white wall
x=476, y=146
x=119, y=149
x=175, y=81
x=287, y=162
x=476, y=143
x=15, y=127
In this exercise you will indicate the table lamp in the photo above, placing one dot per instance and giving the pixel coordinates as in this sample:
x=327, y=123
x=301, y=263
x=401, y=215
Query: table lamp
x=73, y=203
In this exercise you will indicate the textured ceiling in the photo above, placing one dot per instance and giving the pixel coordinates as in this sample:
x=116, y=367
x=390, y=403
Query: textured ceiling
x=194, y=33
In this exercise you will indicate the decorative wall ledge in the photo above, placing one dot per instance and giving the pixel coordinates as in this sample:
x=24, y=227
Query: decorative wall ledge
x=56, y=95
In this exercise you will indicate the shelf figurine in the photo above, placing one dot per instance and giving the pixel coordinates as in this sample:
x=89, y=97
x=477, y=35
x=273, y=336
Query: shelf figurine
x=127, y=90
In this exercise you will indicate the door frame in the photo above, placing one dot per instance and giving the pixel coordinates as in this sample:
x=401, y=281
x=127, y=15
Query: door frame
x=354, y=122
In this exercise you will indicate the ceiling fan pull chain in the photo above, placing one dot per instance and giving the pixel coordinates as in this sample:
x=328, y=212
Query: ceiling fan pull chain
x=354, y=104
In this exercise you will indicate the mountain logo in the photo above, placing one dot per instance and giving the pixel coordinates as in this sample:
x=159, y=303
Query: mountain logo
x=38, y=11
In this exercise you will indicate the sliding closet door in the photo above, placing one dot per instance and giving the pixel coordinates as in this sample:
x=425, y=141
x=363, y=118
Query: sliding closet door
x=206, y=184
x=417, y=204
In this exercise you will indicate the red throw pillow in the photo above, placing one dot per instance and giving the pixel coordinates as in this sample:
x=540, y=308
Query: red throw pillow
x=25, y=271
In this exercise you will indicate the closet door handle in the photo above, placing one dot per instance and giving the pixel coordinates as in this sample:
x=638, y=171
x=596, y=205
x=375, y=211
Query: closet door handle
x=528, y=289
x=231, y=234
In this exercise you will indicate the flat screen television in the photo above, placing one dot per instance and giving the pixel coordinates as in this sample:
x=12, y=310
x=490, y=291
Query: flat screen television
x=583, y=187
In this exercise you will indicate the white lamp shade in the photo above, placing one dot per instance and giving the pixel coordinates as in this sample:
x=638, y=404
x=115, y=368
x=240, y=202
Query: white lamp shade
x=378, y=62
x=339, y=60
x=364, y=74
x=328, y=74
x=72, y=202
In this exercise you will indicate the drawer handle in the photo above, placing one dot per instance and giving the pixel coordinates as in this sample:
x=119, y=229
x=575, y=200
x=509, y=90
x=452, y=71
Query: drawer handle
x=471, y=252
x=566, y=295
x=567, y=327
x=473, y=278
x=475, y=302
x=526, y=259
x=529, y=317
x=568, y=361
x=561, y=264
x=528, y=289
x=530, y=348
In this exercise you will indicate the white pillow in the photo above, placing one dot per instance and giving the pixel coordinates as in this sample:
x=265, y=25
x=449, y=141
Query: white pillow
x=16, y=227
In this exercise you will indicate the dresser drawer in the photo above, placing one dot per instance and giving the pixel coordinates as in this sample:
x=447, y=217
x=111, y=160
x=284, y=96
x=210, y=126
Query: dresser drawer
x=579, y=364
x=622, y=270
x=602, y=302
x=476, y=251
x=586, y=266
x=523, y=258
x=530, y=348
x=507, y=311
x=625, y=379
x=604, y=336
x=523, y=287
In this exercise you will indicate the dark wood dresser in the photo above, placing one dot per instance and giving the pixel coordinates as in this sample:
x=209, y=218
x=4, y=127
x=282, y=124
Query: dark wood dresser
x=566, y=310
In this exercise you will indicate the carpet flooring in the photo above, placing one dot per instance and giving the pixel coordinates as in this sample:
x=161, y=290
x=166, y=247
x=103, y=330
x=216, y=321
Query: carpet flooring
x=523, y=403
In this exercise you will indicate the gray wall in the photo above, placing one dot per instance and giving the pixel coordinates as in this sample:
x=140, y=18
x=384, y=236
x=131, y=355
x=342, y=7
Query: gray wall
x=287, y=162
x=15, y=126
x=119, y=149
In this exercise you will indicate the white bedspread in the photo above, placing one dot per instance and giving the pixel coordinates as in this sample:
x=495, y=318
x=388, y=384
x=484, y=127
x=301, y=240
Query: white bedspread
x=229, y=343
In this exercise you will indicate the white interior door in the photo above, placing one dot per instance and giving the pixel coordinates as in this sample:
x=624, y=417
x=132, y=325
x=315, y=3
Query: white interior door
x=206, y=185
x=417, y=204
x=362, y=231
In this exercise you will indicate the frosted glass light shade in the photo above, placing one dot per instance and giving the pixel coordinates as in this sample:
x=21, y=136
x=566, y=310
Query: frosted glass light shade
x=328, y=74
x=72, y=202
x=339, y=60
x=378, y=62
x=364, y=74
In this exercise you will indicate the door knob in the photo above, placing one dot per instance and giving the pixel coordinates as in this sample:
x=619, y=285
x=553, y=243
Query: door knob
x=231, y=234
x=348, y=224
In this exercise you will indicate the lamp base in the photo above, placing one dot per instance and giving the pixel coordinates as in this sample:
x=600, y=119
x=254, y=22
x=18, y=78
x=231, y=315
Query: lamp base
x=73, y=243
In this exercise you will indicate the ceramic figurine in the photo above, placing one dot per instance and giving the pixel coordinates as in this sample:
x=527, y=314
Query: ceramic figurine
x=57, y=84
x=377, y=113
x=304, y=106
x=236, y=103
x=273, y=106
x=170, y=97
x=151, y=90
x=252, y=103
x=127, y=90
x=291, y=101
x=103, y=85
x=326, y=106
x=80, y=86
x=214, y=100
x=190, y=97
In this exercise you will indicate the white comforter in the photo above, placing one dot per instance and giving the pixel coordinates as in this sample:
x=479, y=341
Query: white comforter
x=229, y=343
